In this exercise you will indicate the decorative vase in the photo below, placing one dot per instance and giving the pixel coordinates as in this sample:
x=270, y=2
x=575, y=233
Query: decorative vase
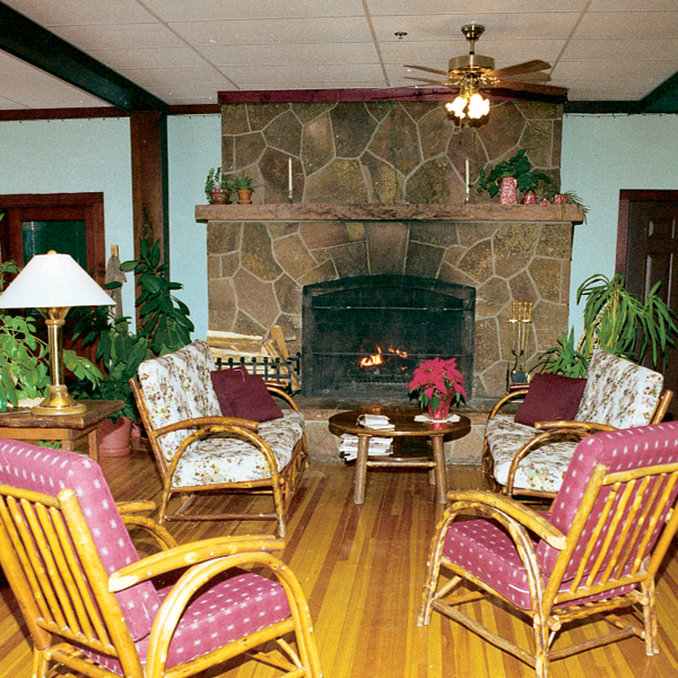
x=530, y=198
x=508, y=191
x=114, y=437
x=244, y=196
x=219, y=197
x=560, y=199
x=443, y=409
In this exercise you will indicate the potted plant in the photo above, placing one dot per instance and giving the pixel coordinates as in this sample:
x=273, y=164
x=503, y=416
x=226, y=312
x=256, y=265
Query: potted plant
x=243, y=184
x=616, y=321
x=25, y=360
x=217, y=189
x=518, y=169
x=437, y=383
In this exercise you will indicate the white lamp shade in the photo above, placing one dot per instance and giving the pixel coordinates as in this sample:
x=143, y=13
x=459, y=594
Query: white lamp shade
x=53, y=281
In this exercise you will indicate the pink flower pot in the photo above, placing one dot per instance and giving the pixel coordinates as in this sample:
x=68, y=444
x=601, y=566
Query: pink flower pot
x=443, y=409
x=114, y=437
x=508, y=191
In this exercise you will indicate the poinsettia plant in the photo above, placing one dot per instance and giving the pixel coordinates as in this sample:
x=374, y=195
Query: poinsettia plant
x=433, y=379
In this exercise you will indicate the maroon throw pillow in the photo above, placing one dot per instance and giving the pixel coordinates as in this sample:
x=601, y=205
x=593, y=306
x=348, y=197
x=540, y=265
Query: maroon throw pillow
x=244, y=395
x=551, y=397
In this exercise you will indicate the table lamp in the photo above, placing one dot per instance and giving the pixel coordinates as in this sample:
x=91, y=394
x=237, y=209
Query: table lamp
x=55, y=282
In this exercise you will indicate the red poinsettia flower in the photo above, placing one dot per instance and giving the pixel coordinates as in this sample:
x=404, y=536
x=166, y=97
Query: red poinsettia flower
x=435, y=378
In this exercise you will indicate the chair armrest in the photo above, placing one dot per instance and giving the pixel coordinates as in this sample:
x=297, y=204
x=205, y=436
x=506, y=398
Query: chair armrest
x=584, y=427
x=207, y=421
x=126, y=507
x=187, y=555
x=523, y=514
x=513, y=395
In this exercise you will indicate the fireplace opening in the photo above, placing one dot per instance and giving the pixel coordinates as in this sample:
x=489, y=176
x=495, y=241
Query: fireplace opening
x=363, y=336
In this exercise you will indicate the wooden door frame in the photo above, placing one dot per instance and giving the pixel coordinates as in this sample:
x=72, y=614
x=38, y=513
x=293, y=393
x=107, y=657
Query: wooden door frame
x=93, y=206
x=626, y=197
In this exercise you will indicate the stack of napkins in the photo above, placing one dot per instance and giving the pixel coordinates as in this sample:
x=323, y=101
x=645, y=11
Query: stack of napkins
x=377, y=446
x=379, y=422
x=427, y=419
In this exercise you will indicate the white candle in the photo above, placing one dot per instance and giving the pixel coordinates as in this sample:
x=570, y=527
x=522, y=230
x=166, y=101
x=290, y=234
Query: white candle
x=468, y=181
x=289, y=175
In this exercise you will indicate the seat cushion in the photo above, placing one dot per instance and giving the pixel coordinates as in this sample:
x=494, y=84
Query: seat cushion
x=227, y=459
x=618, y=392
x=227, y=610
x=543, y=469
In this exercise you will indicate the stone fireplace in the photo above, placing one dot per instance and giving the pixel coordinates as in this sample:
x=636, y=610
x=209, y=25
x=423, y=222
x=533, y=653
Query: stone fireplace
x=378, y=189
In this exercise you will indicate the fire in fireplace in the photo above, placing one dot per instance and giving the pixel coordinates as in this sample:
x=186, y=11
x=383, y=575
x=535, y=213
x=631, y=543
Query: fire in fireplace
x=362, y=336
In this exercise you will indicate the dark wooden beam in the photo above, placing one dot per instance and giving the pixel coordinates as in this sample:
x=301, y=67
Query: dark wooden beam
x=62, y=113
x=31, y=42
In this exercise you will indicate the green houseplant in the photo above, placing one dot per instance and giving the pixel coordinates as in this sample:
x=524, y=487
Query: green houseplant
x=616, y=321
x=243, y=184
x=518, y=167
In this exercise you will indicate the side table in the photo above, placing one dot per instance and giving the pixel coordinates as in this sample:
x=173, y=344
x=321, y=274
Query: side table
x=22, y=424
x=405, y=427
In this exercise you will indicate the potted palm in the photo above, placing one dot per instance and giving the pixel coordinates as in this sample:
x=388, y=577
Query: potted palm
x=616, y=321
x=243, y=184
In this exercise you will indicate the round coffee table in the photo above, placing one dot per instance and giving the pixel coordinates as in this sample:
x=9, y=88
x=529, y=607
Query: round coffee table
x=405, y=427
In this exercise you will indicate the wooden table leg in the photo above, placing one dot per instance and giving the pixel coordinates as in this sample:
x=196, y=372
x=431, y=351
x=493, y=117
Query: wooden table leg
x=93, y=444
x=441, y=477
x=360, y=474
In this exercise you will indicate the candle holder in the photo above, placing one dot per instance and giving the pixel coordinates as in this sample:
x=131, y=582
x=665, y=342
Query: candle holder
x=520, y=322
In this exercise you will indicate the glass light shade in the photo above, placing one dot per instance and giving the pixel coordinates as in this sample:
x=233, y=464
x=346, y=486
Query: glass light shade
x=53, y=281
x=477, y=106
x=457, y=107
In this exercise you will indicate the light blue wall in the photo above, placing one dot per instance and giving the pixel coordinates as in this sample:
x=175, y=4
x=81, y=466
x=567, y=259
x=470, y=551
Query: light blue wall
x=194, y=147
x=601, y=156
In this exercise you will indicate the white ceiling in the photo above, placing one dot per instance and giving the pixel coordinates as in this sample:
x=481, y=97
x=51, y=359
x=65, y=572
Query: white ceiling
x=185, y=51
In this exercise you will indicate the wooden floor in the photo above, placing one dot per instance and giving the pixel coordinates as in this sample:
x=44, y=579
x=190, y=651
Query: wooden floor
x=362, y=569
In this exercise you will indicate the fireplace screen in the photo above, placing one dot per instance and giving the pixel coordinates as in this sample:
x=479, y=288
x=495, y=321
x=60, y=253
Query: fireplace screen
x=363, y=336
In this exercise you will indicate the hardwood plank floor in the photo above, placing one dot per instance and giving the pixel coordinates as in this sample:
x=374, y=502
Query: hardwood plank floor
x=362, y=569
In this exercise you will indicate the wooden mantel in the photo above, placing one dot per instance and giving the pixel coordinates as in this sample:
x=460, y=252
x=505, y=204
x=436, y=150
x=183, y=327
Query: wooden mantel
x=392, y=212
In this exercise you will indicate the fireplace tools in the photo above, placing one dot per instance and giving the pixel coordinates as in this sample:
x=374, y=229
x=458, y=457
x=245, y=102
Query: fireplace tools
x=519, y=322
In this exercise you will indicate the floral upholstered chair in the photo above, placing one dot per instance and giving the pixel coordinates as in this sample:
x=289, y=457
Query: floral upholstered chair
x=596, y=552
x=93, y=606
x=531, y=459
x=199, y=449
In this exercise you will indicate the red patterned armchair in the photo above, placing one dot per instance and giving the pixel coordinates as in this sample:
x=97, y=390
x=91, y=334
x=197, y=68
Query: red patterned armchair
x=596, y=552
x=92, y=605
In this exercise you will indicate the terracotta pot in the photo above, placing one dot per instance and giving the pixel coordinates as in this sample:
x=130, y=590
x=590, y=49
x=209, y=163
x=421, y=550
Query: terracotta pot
x=219, y=197
x=443, y=409
x=244, y=196
x=114, y=437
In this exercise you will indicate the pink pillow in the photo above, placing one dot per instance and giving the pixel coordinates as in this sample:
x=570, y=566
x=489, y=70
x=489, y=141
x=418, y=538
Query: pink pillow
x=551, y=397
x=244, y=395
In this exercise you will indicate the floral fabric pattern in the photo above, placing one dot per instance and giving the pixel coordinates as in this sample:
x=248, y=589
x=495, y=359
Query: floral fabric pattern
x=618, y=393
x=177, y=386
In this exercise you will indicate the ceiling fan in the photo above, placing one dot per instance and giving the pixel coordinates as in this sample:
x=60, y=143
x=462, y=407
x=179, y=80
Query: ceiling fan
x=474, y=73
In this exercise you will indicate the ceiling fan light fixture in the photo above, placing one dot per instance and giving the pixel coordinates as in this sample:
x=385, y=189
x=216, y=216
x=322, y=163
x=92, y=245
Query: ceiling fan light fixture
x=478, y=106
x=457, y=106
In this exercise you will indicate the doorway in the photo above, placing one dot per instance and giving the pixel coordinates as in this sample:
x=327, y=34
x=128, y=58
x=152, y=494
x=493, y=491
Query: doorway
x=647, y=252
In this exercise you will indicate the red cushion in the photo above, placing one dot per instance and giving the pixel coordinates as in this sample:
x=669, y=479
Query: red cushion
x=241, y=394
x=551, y=397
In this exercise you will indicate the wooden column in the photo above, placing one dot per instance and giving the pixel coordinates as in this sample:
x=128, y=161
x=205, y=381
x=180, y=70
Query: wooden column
x=148, y=140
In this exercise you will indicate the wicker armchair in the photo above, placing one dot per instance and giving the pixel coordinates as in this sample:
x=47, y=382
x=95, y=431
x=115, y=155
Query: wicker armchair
x=93, y=606
x=525, y=460
x=596, y=552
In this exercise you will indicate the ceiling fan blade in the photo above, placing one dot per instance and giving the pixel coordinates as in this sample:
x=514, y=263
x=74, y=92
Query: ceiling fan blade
x=517, y=69
x=534, y=88
x=427, y=69
x=539, y=76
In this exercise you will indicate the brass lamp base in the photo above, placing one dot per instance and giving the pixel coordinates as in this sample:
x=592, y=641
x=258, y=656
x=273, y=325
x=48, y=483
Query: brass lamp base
x=57, y=402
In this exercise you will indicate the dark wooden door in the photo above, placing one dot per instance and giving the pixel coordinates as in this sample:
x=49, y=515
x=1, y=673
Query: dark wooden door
x=647, y=251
